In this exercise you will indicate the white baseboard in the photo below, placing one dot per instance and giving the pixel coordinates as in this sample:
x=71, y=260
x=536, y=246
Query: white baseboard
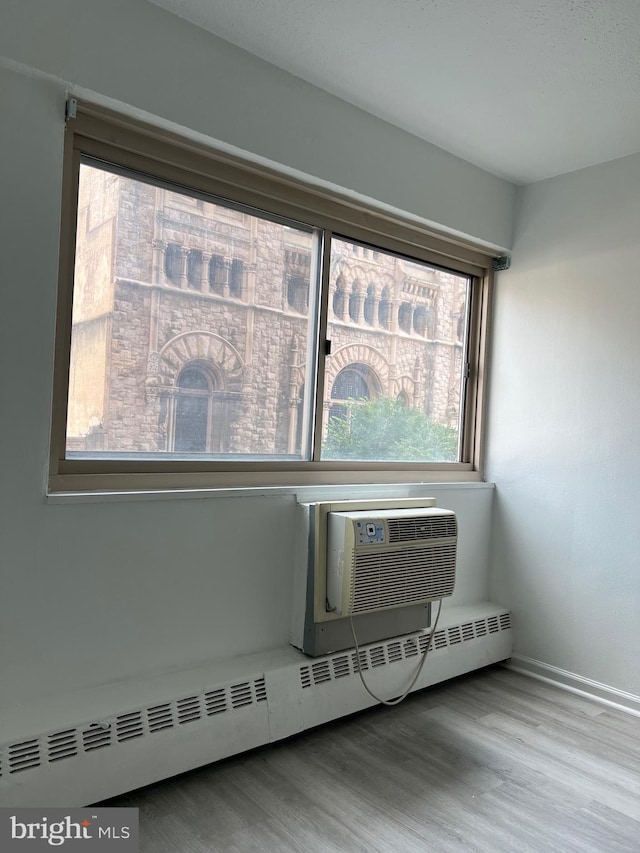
x=611, y=696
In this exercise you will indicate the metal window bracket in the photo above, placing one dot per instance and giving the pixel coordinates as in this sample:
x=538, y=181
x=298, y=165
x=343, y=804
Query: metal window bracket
x=501, y=263
x=70, y=109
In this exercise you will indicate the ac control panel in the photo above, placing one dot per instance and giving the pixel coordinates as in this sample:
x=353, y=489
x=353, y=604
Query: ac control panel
x=370, y=532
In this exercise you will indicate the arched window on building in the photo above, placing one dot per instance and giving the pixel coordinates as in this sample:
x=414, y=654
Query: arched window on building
x=370, y=305
x=298, y=294
x=194, y=268
x=350, y=385
x=420, y=320
x=405, y=313
x=424, y=321
x=237, y=278
x=173, y=263
x=193, y=409
x=217, y=273
x=403, y=399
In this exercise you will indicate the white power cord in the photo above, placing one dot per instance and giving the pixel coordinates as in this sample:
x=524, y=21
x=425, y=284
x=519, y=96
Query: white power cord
x=417, y=673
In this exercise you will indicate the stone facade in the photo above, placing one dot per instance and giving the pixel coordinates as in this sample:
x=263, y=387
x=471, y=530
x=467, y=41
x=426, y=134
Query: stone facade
x=192, y=321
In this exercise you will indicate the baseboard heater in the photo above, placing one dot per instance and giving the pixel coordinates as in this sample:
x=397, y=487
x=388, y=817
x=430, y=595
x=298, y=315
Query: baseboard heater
x=90, y=759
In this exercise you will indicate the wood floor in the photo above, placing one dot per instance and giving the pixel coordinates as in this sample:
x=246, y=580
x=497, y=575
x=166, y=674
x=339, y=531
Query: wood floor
x=489, y=762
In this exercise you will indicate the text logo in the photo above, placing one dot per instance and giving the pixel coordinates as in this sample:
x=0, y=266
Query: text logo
x=35, y=830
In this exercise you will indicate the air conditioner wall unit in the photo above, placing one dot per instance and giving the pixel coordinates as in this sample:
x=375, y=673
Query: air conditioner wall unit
x=316, y=628
x=384, y=559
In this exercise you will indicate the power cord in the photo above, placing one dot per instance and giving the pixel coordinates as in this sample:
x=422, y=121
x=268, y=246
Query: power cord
x=417, y=673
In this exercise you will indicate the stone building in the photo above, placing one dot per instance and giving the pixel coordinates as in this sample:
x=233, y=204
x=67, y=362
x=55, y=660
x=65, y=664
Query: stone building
x=191, y=324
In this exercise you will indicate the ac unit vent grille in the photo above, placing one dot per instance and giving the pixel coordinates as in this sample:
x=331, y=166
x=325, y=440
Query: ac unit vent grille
x=406, y=576
x=71, y=742
x=426, y=527
x=337, y=666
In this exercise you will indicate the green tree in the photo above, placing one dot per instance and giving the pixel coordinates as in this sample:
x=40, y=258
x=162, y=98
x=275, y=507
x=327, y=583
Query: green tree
x=385, y=430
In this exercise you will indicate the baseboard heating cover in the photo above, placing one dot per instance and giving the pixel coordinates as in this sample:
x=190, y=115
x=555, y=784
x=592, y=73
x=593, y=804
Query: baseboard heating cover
x=90, y=760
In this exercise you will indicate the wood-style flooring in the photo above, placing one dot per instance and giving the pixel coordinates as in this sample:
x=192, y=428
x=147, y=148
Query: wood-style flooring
x=490, y=762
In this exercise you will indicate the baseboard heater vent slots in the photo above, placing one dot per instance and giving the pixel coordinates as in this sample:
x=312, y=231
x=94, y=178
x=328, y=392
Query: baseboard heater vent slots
x=69, y=743
x=169, y=727
x=24, y=755
x=342, y=664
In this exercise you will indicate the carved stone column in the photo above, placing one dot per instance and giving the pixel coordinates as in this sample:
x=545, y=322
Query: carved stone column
x=227, y=277
x=204, y=272
x=158, y=269
x=184, y=279
x=417, y=382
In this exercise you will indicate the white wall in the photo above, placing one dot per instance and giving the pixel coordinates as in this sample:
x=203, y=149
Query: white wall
x=564, y=434
x=94, y=594
x=135, y=56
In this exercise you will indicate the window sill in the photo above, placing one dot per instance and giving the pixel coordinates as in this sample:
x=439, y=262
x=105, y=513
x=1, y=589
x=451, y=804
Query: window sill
x=310, y=493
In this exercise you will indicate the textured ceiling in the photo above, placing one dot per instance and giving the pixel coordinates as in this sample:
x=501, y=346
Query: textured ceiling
x=524, y=89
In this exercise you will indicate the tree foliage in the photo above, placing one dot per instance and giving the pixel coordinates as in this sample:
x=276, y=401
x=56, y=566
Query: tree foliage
x=385, y=430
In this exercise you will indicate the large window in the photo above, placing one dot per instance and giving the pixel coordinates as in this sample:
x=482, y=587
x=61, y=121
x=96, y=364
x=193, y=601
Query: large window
x=220, y=326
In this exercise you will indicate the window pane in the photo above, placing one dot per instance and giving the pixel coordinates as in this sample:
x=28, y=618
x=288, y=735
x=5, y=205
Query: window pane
x=394, y=381
x=191, y=326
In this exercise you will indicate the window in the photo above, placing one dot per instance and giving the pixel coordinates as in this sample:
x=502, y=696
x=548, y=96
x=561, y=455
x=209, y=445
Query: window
x=237, y=273
x=350, y=386
x=197, y=296
x=192, y=429
x=194, y=269
x=217, y=274
x=173, y=263
x=405, y=314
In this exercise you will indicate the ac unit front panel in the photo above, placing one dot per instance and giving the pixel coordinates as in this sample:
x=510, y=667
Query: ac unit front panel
x=313, y=524
x=395, y=578
x=387, y=559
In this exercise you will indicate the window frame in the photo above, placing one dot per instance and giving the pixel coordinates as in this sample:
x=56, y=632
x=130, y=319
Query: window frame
x=132, y=145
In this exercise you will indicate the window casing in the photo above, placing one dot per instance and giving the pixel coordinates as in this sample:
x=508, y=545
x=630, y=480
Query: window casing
x=164, y=161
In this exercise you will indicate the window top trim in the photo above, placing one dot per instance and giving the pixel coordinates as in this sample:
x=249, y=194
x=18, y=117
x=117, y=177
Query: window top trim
x=97, y=132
